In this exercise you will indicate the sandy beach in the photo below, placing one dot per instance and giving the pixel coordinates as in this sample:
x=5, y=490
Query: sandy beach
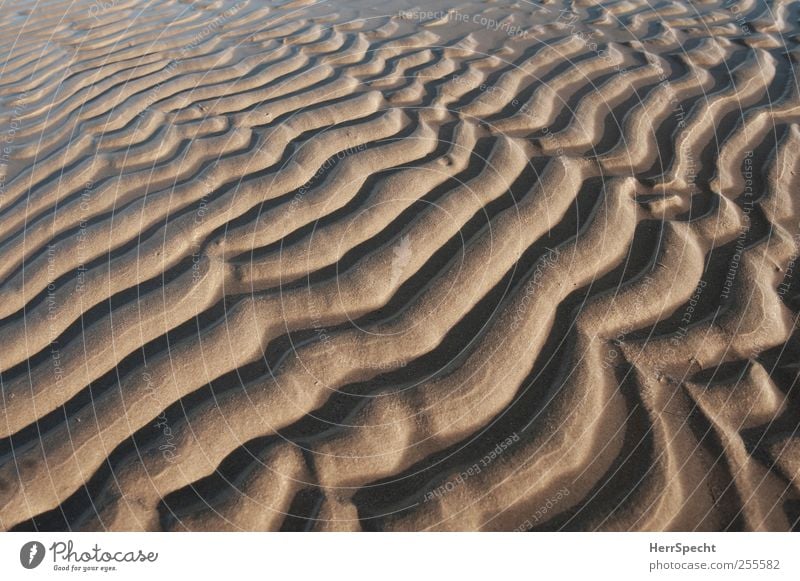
x=383, y=266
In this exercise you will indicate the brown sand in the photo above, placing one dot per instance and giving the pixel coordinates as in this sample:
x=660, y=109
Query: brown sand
x=377, y=266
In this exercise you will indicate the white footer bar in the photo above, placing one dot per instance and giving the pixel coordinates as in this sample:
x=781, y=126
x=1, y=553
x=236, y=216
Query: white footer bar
x=351, y=557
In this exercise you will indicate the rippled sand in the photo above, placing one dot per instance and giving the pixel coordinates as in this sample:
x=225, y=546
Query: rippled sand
x=371, y=266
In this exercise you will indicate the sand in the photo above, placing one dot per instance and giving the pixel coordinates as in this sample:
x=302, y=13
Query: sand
x=381, y=266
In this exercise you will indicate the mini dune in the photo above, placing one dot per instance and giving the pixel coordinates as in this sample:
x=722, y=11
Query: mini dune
x=378, y=266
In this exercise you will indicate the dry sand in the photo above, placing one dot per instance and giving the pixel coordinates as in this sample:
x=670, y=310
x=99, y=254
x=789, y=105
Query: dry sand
x=382, y=266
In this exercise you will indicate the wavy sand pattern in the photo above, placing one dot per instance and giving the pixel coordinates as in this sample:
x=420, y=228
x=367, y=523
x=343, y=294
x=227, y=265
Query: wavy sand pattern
x=373, y=266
